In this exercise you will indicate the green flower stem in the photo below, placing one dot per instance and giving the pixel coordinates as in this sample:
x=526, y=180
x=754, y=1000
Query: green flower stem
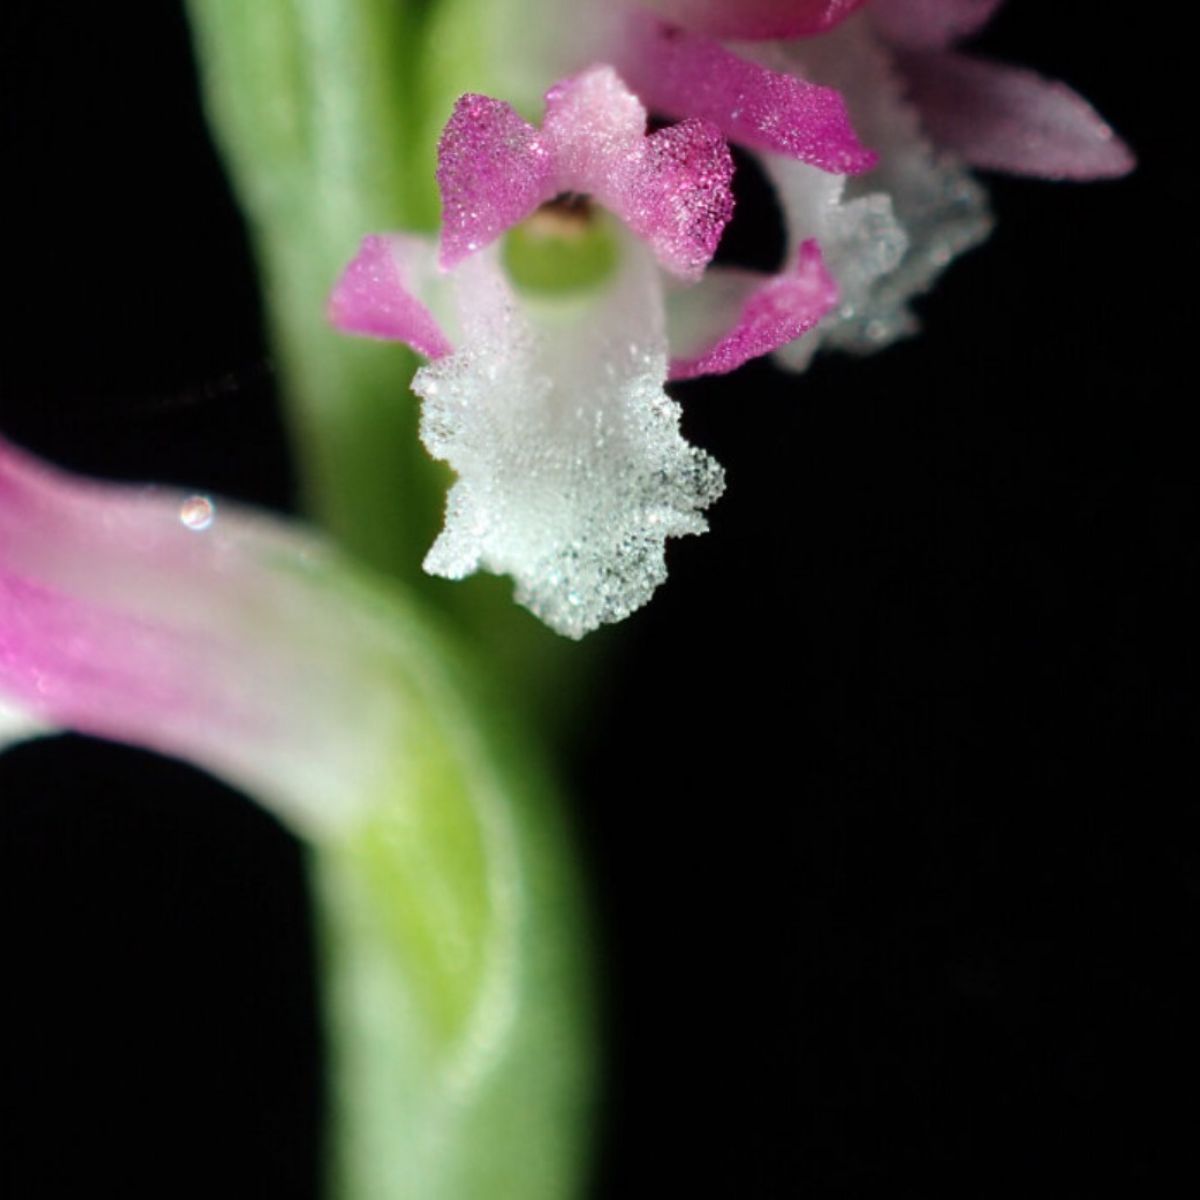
x=453, y=946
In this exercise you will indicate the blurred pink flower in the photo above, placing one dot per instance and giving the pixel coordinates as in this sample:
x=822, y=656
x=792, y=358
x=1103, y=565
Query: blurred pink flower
x=993, y=115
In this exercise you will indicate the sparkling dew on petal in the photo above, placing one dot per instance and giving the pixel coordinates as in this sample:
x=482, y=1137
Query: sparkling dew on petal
x=493, y=171
x=772, y=311
x=379, y=294
x=672, y=188
x=681, y=198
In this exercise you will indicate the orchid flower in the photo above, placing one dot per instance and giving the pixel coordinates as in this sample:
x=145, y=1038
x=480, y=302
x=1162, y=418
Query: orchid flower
x=572, y=280
x=551, y=328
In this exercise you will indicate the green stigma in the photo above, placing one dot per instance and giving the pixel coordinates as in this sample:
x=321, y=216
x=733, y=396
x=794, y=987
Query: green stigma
x=566, y=246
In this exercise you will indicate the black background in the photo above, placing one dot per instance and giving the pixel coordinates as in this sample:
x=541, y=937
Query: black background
x=890, y=805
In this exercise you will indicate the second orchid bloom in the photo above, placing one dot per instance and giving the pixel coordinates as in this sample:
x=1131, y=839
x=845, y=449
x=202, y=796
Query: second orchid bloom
x=571, y=279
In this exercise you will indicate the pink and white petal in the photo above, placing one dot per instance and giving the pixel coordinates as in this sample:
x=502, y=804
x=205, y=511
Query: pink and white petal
x=930, y=24
x=593, y=124
x=762, y=313
x=756, y=18
x=222, y=638
x=681, y=197
x=1007, y=118
x=385, y=293
x=493, y=171
x=673, y=188
x=571, y=468
x=682, y=74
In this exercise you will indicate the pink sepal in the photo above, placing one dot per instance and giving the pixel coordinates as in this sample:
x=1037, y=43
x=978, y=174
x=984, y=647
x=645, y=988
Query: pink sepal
x=775, y=312
x=678, y=73
x=930, y=24
x=493, y=171
x=376, y=295
x=84, y=641
x=1010, y=119
x=753, y=19
x=147, y=616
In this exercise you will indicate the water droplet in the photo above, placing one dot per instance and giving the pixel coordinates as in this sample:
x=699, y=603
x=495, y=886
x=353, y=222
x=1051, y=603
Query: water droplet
x=197, y=513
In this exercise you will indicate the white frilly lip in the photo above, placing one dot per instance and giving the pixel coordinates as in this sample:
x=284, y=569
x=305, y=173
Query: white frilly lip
x=572, y=471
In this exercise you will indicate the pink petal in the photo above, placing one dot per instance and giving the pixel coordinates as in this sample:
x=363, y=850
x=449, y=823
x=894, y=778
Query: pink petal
x=774, y=312
x=147, y=617
x=930, y=24
x=493, y=171
x=681, y=198
x=683, y=74
x=1011, y=119
x=673, y=188
x=376, y=295
x=593, y=122
x=756, y=18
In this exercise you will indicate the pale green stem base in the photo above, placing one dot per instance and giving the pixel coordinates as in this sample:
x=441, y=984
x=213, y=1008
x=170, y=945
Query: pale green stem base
x=499, y=1108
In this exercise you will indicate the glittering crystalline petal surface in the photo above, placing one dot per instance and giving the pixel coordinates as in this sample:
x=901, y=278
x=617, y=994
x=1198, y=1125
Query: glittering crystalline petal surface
x=493, y=171
x=384, y=293
x=672, y=188
x=733, y=316
x=571, y=468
